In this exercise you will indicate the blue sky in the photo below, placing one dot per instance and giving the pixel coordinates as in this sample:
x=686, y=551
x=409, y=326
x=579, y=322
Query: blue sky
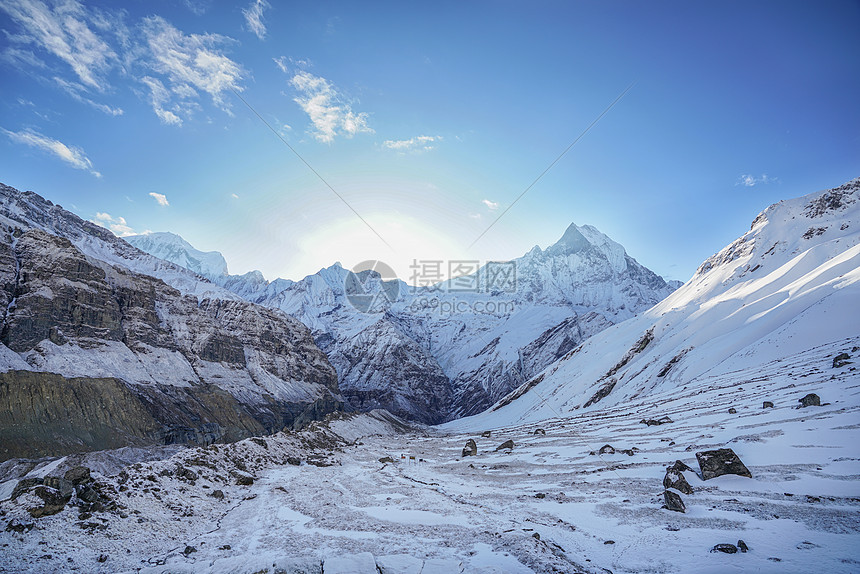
x=429, y=120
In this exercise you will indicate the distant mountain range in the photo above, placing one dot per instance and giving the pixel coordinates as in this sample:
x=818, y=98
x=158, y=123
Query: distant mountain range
x=445, y=351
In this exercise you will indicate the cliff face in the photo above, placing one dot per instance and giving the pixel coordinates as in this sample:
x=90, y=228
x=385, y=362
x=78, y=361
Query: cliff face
x=135, y=360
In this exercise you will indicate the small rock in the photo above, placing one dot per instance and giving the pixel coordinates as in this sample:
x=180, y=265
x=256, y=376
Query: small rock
x=294, y=461
x=721, y=461
x=841, y=360
x=675, y=479
x=536, y=536
x=540, y=495
x=244, y=479
x=609, y=542
x=540, y=431
x=102, y=558
x=386, y=459
x=742, y=546
x=78, y=475
x=471, y=448
x=16, y=525
x=486, y=434
x=654, y=422
x=810, y=400
x=767, y=405
x=674, y=501
x=188, y=550
x=508, y=444
x=733, y=411
x=606, y=449
x=725, y=547
x=217, y=494
x=225, y=547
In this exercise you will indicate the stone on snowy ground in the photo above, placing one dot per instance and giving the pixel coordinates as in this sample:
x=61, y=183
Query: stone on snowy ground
x=540, y=431
x=767, y=405
x=16, y=525
x=606, y=449
x=733, y=411
x=674, y=501
x=655, y=422
x=841, y=360
x=243, y=479
x=725, y=547
x=78, y=475
x=507, y=445
x=54, y=501
x=742, y=546
x=23, y=486
x=61, y=484
x=675, y=479
x=471, y=448
x=363, y=563
x=486, y=434
x=721, y=461
x=102, y=558
x=294, y=461
x=810, y=400
x=386, y=459
x=188, y=550
x=217, y=494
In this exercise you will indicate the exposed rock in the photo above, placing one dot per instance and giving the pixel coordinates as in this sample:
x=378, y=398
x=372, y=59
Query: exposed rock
x=810, y=400
x=767, y=405
x=217, y=494
x=721, y=461
x=189, y=550
x=16, y=525
x=78, y=475
x=841, y=360
x=386, y=459
x=507, y=445
x=725, y=547
x=471, y=448
x=733, y=411
x=606, y=449
x=102, y=558
x=674, y=501
x=675, y=479
x=742, y=546
x=24, y=485
x=540, y=431
x=294, y=461
x=243, y=479
x=540, y=495
x=486, y=434
x=655, y=422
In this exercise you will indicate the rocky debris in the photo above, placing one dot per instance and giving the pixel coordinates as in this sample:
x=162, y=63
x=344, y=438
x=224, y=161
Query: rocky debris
x=16, y=525
x=742, y=546
x=386, y=459
x=536, y=536
x=102, y=558
x=78, y=475
x=471, y=448
x=295, y=461
x=725, y=547
x=217, y=494
x=185, y=474
x=675, y=479
x=721, y=461
x=540, y=495
x=767, y=405
x=841, y=360
x=656, y=422
x=507, y=445
x=486, y=434
x=54, y=501
x=674, y=501
x=606, y=449
x=189, y=550
x=540, y=431
x=243, y=479
x=810, y=400
x=609, y=542
x=733, y=411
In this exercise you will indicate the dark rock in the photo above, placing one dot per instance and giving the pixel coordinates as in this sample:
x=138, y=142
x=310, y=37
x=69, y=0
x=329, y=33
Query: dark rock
x=294, y=461
x=655, y=422
x=721, y=461
x=767, y=405
x=16, y=525
x=188, y=550
x=733, y=411
x=102, y=558
x=508, y=444
x=540, y=495
x=679, y=466
x=536, y=536
x=674, y=501
x=606, y=449
x=471, y=448
x=244, y=479
x=742, y=546
x=725, y=547
x=810, y=400
x=225, y=547
x=540, y=431
x=675, y=479
x=78, y=475
x=24, y=485
x=609, y=542
x=88, y=494
x=386, y=459
x=627, y=451
x=841, y=360
x=260, y=442
x=61, y=484
x=486, y=434
x=217, y=494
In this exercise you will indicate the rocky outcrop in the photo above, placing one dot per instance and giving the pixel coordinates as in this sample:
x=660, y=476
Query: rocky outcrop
x=721, y=461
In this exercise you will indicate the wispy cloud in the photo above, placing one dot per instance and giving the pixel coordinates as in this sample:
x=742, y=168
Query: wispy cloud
x=64, y=30
x=158, y=98
x=491, y=205
x=191, y=63
x=75, y=91
x=254, y=18
x=118, y=225
x=160, y=198
x=74, y=156
x=330, y=115
x=751, y=180
x=475, y=215
x=418, y=143
x=234, y=196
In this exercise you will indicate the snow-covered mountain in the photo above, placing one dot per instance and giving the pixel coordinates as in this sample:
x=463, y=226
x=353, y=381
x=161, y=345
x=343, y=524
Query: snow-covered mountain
x=171, y=247
x=790, y=284
x=447, y=351
x=111, y=346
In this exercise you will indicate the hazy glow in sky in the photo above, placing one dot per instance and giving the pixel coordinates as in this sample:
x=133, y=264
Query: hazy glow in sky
x=429, y=119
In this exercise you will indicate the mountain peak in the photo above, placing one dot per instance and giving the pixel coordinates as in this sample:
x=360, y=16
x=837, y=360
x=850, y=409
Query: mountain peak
x=573, y=241
x=171, y=247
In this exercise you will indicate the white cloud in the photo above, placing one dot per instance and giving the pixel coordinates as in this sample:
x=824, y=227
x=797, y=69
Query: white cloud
x=418, y=143
x=74, y=156
x=751, y=180
x=324, y=105
x=63, y=29
x=118, y=225
x=281, y=63
x=234, y=196
x=254, y=17
x=491, y=205
x=475, y=215
x=191, y=63
x=160, y=198
x=74, y=90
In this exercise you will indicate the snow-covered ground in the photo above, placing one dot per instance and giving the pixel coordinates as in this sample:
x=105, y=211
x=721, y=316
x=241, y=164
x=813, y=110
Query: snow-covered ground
x=800, y=511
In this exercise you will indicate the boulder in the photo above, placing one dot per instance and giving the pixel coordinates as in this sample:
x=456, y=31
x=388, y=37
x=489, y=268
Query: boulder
x=674, y=501
x=486, y=434
x=471, y=448
x=217, y=494
x=540, y=431
x=23, y=486
x=742, y=546
x=78, y=475
x=675, y=479
x=244, y=479
x=841, y=360
x=507, y=445
x=725, y=547
x=64, y=486
x=606, y=449
x=733, y=411
x=767, y=405
x=386, y=459
x=655, y=422
x=810, y=400
x=721, y=461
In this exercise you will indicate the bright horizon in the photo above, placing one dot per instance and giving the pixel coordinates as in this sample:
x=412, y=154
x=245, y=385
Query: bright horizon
x=429, y=121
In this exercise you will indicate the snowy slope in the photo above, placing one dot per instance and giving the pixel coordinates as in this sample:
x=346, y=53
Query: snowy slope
x=788, y=285
x=171, y=247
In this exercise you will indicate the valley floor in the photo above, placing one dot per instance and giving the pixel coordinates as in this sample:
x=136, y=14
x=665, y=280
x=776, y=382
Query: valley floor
x=547, y=505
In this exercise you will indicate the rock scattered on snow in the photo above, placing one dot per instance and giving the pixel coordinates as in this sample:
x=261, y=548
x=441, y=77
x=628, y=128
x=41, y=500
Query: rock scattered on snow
x=721, y=461
x=674, y=501
x=471, y=448
x=675, y=479
x=767, y=405
x=540, y=431
x=810, y=400
x=725, y=547
x=742, y=546
x=841, y=360
x=507, y=445
x=656, y=422
x=733, y=411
